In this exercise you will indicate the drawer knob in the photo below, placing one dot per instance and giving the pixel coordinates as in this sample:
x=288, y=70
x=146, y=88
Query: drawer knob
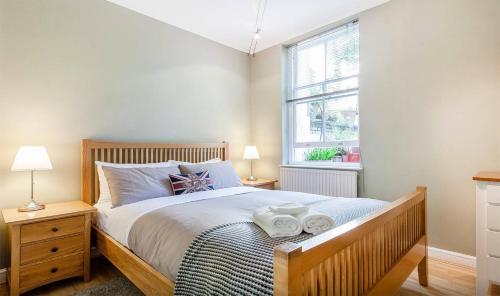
x=55, y=229
x=54, y=249
x=54, y=269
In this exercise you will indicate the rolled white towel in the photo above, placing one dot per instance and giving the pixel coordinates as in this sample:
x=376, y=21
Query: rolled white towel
x=276, y=225
x=315, y=222
x=289, y=208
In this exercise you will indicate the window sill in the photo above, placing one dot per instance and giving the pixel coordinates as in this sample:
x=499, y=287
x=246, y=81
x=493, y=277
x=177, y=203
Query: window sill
x=346, y=166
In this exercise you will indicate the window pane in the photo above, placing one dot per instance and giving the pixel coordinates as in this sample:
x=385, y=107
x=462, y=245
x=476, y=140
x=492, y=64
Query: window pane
x=309, y=121
x=341, y=119
x=342, y=104
x=326, y=154
x=342, y=53
x=300, y=153
x=314, y=154
x=311, y=64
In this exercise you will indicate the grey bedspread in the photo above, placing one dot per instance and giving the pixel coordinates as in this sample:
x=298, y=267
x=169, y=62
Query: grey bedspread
x=161, y=237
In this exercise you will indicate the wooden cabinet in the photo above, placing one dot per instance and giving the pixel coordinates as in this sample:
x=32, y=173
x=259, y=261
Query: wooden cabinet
x=48, y=245
x=260, y=183
x=487, y=231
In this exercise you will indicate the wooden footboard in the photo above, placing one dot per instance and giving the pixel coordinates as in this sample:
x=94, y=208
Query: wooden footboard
x=372, y=255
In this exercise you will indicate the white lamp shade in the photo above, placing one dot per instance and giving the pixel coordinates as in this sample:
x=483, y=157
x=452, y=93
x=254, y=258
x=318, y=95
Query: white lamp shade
x=251, y=153
x=31, y=158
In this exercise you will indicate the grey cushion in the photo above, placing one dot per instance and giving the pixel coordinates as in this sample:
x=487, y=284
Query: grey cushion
x=222, y=173
x=129, y=185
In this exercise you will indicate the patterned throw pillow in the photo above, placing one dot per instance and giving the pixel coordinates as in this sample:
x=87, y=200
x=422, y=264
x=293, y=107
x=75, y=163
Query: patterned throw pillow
x=189, y=183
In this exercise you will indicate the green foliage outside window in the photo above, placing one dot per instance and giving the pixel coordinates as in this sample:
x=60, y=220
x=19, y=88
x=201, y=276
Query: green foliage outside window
x=325, y=153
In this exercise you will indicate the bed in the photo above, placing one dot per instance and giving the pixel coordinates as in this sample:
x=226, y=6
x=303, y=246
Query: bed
x=370, y=255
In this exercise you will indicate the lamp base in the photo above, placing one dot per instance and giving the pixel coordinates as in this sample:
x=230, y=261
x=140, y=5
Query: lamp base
x=251, y=178
x=31, y=206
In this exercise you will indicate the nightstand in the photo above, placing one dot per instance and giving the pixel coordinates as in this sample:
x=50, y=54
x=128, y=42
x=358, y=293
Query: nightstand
x=48, y=245
x=260, y=183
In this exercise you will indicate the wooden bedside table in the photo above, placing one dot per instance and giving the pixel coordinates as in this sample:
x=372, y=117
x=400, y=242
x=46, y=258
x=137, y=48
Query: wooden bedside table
x=260, y=183
x=48, y=245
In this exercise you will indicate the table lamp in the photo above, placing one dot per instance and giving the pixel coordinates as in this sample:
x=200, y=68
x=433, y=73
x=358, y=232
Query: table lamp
x=31, y=158
x=251, y=153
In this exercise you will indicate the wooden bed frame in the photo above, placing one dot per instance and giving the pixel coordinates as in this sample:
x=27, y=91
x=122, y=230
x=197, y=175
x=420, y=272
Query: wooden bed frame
x=372, y=255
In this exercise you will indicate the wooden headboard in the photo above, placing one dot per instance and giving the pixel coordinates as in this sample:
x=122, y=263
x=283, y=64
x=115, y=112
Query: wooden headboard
x=119, y=152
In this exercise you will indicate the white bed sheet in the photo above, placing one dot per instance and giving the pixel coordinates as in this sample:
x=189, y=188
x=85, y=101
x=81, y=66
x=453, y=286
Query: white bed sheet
x=118, y=221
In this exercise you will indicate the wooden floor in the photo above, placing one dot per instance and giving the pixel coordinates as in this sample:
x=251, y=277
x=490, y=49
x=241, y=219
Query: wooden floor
x=445, y=279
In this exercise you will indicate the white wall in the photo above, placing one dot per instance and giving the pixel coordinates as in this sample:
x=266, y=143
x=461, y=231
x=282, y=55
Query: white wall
x=266, y=91
x=90, y=69
x=429, y=107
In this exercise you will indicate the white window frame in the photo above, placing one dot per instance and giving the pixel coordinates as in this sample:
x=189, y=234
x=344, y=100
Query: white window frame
x=291, y=101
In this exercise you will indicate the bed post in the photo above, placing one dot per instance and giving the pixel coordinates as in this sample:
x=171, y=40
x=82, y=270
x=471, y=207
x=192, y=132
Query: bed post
x=86, y=167
x=287, y=270
x=226, y=150
x=423, y=270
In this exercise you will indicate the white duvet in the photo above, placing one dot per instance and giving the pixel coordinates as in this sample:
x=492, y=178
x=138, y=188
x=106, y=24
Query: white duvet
x=118, y=221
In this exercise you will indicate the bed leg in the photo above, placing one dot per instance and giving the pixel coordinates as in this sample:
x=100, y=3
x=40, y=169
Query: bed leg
x=423, y=272
x=423, y=266
x=287, y=276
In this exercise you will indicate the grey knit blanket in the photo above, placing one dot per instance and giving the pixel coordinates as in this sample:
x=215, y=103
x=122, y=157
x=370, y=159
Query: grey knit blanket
x=230, y=259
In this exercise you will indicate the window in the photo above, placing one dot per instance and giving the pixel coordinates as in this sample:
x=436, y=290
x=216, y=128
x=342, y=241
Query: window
x=322, y=96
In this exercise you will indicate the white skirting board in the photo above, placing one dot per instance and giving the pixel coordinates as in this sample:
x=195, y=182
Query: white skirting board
x=435, y=253
x=452, y=257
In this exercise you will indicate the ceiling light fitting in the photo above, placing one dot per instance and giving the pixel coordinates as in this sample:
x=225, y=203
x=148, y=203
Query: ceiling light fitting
x=258, y=27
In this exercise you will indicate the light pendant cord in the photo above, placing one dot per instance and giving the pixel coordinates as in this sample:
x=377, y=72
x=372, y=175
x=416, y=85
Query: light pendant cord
x=259, y=22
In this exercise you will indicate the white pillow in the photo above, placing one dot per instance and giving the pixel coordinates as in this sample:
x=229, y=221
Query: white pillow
x=221, y=173
x=213, y=160
x=104, y=193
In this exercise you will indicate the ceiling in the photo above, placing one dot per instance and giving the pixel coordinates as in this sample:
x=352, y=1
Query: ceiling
x=232, y=22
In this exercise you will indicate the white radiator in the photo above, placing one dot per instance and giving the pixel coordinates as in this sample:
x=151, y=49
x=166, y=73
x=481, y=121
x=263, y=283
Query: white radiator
x=319, y=181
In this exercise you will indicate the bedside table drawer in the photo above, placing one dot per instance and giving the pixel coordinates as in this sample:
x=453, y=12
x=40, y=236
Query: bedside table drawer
x=41, y=251
x=50, y=229
x=42, y=273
